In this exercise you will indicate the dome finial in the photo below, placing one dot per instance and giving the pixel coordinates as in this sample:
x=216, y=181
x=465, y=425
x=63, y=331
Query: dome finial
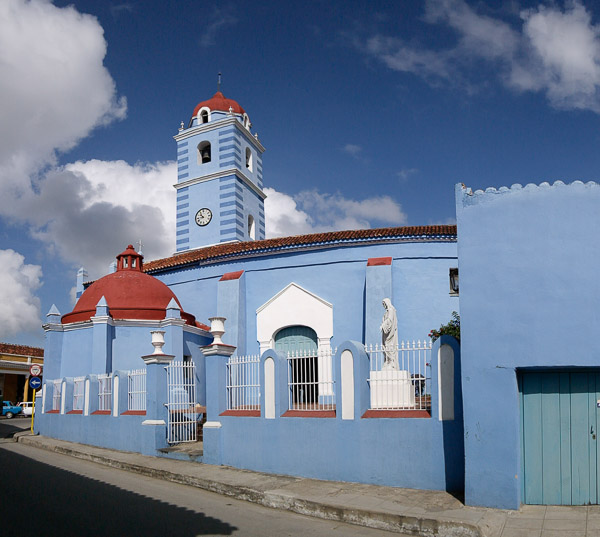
x=219, y=82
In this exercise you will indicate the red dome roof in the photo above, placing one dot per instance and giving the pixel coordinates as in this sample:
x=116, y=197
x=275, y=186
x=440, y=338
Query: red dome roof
x=129, y=294
x=219, y=102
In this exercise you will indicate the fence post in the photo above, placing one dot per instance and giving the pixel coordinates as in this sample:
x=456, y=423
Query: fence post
x=274, y=391
x=90, y=403
x=361, y=398
x=120, y=393
x=66, y=404
x=215, y=356
x=157, y=414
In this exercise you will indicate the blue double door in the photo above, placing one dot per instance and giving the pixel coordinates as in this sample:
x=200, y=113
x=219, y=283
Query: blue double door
x=559, y=437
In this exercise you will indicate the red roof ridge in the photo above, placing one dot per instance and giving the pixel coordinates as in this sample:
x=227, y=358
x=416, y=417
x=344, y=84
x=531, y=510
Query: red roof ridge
x=219, y=251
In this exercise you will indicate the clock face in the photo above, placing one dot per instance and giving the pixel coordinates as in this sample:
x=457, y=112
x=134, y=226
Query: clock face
x=203, y=216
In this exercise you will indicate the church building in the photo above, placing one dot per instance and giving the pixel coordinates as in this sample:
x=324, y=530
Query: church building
x=291, y=377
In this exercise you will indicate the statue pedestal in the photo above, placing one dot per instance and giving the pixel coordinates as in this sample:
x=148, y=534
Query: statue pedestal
x=391, y=389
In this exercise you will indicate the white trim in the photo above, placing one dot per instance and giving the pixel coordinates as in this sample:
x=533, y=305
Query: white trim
x=142, y=323
x=293, y=306
x=284, y=290
x=63, y=389
x=101, y=319
x=115, y=394
x=269, y=366
x=223, y=173
x=153, y=422
x=52, y=327
x=158, y=358
x=212, y=425
x=199, y=115
x=218, y=124
x=347, y=382
x=86, y=398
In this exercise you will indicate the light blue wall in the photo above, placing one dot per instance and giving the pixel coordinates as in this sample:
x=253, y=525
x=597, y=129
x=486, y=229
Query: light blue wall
x=529, y=295
x=421, y=453
x=420, y=275
x=76, y=353
x=69, y=352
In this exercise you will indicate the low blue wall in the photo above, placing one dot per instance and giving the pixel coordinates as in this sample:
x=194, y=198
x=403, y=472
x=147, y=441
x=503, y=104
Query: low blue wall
x=421, y=453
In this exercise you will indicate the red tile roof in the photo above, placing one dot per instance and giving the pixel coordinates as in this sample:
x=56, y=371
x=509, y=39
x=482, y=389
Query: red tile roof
x=21, y=350
x=331, y=239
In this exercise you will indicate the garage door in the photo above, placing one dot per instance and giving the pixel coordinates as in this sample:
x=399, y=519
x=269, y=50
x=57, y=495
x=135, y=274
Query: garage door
x=559, y=427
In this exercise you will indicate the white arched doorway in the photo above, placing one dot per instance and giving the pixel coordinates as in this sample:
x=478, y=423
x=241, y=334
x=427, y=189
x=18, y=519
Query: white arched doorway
x=294, y=306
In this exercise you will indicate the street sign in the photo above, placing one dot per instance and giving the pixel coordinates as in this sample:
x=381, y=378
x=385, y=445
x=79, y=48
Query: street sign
x=35, y=370
x=35, y=383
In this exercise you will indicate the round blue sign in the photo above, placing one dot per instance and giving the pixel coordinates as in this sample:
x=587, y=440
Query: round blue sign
x=35, y=383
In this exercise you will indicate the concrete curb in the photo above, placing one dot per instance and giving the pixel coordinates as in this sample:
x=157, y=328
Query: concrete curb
x=412, y=525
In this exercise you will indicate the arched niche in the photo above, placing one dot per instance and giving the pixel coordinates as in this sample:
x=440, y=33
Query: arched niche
x=292, y=306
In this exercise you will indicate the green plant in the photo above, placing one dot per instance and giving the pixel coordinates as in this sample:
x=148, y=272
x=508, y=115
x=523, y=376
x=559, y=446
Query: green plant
x=452, y=328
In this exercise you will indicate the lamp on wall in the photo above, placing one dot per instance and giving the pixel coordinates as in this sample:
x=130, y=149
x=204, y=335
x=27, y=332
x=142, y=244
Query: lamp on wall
x=454, y=281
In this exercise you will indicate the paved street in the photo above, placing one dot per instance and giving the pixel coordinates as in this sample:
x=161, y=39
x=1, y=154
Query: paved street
x=8, y=427
x=43, y=490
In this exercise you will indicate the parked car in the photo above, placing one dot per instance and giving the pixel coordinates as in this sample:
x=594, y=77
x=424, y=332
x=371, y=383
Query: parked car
x=27, y=407
x=9, y=410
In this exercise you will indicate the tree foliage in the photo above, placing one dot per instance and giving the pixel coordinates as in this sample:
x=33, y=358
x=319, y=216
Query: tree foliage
x=452, y=328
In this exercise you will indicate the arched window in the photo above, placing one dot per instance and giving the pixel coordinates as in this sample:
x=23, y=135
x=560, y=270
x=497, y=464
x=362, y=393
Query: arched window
x=251, y=227
x=249, y=158
x=203, y=152
x=204, y=116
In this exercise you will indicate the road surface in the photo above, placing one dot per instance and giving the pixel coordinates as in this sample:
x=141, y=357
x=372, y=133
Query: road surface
x=44, y=493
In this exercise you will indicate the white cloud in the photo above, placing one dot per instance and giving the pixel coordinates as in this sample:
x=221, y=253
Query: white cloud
x=555, y=51
x=19, y=307
x=52, y=76
x=220, y=18
x=87, y=212
x=405, y=173
x=312, y=212
x=283, y=217
x=565, y=57
x=352, y=149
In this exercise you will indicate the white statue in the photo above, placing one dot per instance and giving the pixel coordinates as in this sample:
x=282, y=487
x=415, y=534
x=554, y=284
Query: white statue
x=389, y=336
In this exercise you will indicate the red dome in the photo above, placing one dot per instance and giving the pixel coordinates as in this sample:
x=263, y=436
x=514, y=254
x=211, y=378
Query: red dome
x=129, y=294
x=219, y=102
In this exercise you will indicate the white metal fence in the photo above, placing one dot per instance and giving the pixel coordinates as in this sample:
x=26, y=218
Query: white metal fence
x=56, y=394
x=78, y=385
x=243, y=383
x=104, y=391
x=136, y=389
x=183, y=417
x=310, y=380
x=400, y=376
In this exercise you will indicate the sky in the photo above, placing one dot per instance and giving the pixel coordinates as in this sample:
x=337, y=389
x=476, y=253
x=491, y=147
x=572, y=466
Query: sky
x=370, y=113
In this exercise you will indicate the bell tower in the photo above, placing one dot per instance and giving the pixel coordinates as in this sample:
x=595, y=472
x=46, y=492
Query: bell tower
x=219, y=186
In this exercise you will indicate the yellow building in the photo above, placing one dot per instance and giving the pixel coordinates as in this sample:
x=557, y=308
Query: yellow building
x=15, y=361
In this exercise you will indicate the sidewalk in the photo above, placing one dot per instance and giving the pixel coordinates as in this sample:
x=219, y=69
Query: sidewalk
x=413, y=512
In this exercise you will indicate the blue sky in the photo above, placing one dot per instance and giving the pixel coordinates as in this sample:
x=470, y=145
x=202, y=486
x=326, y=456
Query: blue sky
x=370, y=113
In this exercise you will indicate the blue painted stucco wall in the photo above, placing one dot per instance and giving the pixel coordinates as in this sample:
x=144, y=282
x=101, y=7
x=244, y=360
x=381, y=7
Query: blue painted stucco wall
x=421, y=453
x=419, y=283
x=529, y=295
